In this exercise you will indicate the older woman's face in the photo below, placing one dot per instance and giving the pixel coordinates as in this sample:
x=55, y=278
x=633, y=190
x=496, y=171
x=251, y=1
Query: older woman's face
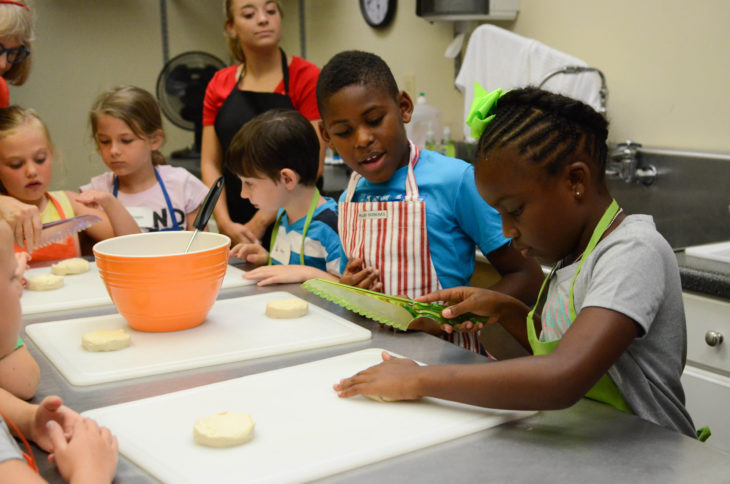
x=7, y=43
x=256, y=23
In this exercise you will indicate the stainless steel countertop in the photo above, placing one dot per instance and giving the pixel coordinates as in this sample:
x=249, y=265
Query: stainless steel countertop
x=589, y=442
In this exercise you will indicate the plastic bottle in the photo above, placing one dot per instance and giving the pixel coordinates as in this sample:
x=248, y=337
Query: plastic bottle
x=447, y=146
x=431, y=139
x=423, y=115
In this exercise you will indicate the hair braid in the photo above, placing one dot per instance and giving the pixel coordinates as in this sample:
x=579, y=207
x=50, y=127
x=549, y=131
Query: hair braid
x=550, y=127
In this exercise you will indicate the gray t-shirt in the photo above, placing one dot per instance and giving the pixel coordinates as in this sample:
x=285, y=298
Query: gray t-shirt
x=634, y=271
x=8, y=446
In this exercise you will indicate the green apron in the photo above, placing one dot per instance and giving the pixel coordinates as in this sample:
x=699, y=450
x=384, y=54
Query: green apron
x=307, y=221
x=604, y=390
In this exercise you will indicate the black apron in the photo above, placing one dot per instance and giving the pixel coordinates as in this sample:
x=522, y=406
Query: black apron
x=238, y=109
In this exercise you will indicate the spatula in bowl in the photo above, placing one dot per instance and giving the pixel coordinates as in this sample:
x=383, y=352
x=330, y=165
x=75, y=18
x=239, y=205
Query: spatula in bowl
x=206, y=209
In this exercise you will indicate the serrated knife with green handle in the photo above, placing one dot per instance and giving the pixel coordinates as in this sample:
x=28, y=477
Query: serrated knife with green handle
x=394, y=311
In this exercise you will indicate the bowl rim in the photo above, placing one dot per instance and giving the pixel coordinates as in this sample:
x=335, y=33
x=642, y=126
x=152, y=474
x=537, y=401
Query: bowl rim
x=98, y=248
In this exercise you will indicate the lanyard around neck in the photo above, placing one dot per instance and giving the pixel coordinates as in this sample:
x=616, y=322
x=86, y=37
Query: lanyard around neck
x=307, y=221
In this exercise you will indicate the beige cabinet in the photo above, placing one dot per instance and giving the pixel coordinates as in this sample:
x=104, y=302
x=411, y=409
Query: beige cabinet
x=706, y=377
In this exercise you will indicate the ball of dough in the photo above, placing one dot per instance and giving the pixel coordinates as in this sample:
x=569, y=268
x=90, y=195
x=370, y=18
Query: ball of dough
x=286, y=308
x=44, y=282
x=75, y=265
x=378, y=398
x=225, y=429
x=106, y=340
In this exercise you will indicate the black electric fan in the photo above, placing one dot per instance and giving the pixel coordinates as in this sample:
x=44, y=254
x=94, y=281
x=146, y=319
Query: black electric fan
x=180, y=91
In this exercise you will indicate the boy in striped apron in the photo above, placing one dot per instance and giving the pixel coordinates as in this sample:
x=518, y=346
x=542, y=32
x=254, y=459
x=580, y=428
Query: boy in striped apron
x=412, y=218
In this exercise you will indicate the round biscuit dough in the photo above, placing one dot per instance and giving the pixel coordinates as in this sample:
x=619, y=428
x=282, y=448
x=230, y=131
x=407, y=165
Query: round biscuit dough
x=378, y=398
x=286, y=308
x=44, y=282
x=75, y=265
x=106, y=340
x=224, y=429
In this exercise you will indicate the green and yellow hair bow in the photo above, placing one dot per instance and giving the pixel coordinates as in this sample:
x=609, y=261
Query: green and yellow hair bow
x=482, y=109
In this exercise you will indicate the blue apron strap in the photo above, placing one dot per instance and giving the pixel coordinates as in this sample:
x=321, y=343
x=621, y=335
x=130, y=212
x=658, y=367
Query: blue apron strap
x=170, y=209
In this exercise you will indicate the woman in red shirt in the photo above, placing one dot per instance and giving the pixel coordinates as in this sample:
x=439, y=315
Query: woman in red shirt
x=266, y=78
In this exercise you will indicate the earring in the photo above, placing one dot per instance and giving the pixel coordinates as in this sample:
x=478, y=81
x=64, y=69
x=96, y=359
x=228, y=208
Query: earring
x=578, y=195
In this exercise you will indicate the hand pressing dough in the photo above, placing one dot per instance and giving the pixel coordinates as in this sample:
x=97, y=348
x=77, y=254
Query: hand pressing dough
x=44, y=282
x=74, y=265
x=225, y=429
x=286, y=308
x=106, y=340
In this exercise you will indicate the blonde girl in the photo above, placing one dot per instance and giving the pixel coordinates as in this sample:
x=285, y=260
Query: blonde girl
x=26, y=163
x=126, y=125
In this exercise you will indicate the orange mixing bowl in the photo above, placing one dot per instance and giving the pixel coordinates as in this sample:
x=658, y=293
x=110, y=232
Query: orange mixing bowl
x=155, y=285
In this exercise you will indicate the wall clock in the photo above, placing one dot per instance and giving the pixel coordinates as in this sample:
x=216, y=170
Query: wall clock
x=378, y=13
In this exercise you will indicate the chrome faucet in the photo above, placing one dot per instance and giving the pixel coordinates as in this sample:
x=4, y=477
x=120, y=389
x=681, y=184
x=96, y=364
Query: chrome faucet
x=603, y=91
x=624, y=163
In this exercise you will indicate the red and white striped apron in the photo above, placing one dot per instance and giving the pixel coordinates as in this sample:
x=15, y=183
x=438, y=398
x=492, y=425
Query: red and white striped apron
x=392, y=238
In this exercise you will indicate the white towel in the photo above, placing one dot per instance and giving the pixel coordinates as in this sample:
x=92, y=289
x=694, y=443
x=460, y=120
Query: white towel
x=498, y=58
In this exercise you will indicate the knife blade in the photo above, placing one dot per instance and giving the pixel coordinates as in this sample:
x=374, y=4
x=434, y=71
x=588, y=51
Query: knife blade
x=394, y=311
x=60, y=229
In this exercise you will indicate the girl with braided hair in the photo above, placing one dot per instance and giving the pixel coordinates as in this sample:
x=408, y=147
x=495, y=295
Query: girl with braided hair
x=609, y=322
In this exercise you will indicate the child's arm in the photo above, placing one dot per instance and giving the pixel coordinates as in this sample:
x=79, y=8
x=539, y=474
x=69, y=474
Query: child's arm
x=557, y=380
x=521, y=277
x=31, y=419
x=17, y=470
x=115, y=219
x=19, y=373
x=283, y=274
x=24, y=220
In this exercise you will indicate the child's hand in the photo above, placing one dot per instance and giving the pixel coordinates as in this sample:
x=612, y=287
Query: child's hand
x=94, y=198
x=90, y=455
x=283, y=274
x=482, y=302
x=364, y=277
x=253, y=253
x=392, y=379
x=24, y=219
x=240, y=233
x=22, y=259
x=51, y=409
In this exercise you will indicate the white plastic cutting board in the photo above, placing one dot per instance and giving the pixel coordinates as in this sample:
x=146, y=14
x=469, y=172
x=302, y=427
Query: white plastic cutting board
x=303, y=430
x=236, y=329
x=87, y=290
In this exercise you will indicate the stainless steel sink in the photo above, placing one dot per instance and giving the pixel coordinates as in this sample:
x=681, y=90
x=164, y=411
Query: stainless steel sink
x=718, y=252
